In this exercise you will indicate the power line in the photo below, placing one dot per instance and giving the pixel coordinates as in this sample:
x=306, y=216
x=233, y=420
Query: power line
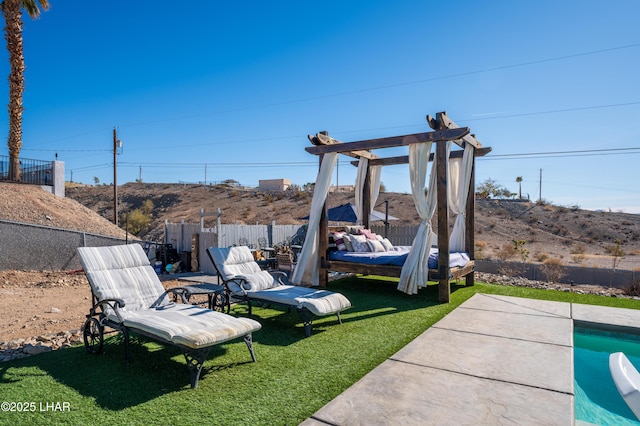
x=400, y=84
x=582, y=151
x=406, y=83
x=338, y=132
x=554, y=111
x=526, y=156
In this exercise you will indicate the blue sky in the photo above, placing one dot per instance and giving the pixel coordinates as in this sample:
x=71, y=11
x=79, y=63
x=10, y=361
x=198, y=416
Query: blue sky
x=230, y=90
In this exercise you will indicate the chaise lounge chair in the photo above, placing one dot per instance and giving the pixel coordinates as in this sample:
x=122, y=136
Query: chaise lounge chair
x=246, y=282
x=128, y=297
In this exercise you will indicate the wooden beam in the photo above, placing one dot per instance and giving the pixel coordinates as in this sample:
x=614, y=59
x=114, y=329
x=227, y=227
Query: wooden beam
x=443, y=222
x=321, y=139
x=366, y=198
x=390, y=142
x=470, y=223
x=404, y=159
x=442, y=122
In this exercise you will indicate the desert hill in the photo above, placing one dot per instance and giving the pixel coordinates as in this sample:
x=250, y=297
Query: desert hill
x=572, y=235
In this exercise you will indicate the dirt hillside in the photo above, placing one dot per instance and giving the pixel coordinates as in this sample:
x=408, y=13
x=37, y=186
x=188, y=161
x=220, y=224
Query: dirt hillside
x=572, y=235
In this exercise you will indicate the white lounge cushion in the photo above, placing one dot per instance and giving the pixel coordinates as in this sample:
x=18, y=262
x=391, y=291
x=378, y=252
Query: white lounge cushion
x=123, y=272
x=260, y=280
x=262, y=286
x=234, y=261
x=319, y=302
x=191, y=326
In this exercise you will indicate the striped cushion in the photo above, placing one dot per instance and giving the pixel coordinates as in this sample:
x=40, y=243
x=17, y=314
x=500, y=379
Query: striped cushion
x=319, y=302
x=261, y=280
x=233, y=261
x=123, y=272
x=189, y=325
x=237, y=262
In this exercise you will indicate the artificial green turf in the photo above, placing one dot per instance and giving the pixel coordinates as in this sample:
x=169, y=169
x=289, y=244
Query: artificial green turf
x=292, y=378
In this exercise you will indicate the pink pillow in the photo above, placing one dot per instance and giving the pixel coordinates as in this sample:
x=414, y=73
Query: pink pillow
x=367, y=233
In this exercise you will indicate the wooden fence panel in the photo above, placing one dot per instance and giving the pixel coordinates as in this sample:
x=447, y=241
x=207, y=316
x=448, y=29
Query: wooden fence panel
x=398, y=235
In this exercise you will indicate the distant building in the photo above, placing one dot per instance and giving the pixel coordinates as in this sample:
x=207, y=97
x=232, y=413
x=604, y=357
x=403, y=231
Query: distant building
x=342, y=188
x=274, y=184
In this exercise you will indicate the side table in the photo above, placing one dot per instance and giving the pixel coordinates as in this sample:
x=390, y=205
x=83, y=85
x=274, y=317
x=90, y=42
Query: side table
x=216, y=297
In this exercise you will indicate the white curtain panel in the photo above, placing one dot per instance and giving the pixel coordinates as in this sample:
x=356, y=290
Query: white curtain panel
x=457, y=192
x=375, y=173
x=416, y=269
x=363, y=164
x=307, y=270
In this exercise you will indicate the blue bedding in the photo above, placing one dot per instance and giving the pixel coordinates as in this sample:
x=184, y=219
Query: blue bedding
x=395, y=257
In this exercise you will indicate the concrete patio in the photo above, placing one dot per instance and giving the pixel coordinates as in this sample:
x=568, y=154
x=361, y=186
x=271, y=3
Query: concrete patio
x=493, y=360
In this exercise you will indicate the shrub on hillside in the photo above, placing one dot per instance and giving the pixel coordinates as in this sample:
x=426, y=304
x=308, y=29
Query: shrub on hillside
x=506, y=252
x=553, y=269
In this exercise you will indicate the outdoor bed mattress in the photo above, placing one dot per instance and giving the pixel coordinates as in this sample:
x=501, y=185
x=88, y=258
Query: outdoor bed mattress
x=396, y=257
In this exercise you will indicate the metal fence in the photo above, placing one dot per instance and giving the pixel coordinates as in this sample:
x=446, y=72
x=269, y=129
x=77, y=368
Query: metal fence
x=189, y=237
x=566, y=274
x=35, y=172
x=39, y=248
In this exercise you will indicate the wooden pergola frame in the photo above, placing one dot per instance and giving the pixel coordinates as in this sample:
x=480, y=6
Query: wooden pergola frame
x=443, y=130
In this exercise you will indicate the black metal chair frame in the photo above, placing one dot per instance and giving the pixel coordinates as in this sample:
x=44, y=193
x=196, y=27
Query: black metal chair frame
x=305, y=314
x=93, y=332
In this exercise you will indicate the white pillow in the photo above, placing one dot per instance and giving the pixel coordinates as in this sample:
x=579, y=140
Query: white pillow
x=347, y=242
x=359, y=243
x=375, y=246
x=259, y=281
x=387, y=244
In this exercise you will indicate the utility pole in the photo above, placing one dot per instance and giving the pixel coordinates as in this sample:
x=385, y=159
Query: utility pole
x=140, y=175
x=115, y=180
x=116, y=144
x=540, y=194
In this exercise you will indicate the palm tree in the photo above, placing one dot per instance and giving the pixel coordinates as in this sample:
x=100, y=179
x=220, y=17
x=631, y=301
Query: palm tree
x=12, y=12
x=519, y=180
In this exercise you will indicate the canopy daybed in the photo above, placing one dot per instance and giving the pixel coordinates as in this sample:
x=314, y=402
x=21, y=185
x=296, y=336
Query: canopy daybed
x=450, y=188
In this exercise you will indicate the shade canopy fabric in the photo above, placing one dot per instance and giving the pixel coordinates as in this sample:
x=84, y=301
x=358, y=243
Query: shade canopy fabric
x=347, y=213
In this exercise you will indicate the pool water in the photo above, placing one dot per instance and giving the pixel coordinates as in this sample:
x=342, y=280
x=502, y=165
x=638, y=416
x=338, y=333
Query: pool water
x=597, y=399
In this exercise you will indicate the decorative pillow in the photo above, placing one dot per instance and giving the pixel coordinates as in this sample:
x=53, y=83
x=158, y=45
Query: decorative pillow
x=353, y=229
x=359, y=243
x=375, y=246
x=257, y=281
x=347, y=242
x=386, y=244
x=367, y=233
x=338, y=239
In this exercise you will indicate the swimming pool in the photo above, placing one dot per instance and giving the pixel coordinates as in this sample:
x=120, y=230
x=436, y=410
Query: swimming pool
x=597, y=400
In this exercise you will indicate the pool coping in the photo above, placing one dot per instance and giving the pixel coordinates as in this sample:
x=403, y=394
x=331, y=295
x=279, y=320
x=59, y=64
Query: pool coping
x=494, y=359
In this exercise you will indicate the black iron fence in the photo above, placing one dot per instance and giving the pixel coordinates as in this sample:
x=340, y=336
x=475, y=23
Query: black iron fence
x=35, y=172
